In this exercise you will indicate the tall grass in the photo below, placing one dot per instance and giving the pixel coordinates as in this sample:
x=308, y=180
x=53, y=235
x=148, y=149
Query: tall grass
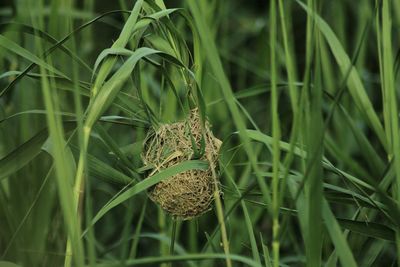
x=304, y=95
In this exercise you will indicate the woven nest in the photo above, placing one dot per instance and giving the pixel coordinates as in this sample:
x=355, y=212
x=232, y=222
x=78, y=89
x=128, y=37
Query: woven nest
x=190, y=193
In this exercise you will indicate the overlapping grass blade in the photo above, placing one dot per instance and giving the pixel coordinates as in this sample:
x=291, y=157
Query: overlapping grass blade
x=216, y=65
x=121, y=42
x=354, y=82
x=17, y=49
x=55, y=46
x=390, y=96
x=248, y=221
x=148, y=182
x=19, y=27
x=342, y=247
x=110, y=89
x=374, y=230
x=64, y=173
x=24, y=153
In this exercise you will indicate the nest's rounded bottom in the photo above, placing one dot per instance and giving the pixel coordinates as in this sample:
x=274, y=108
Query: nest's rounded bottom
x=190, y=193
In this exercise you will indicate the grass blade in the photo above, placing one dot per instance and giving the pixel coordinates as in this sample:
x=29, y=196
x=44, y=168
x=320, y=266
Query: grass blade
x=147, y=183
x=342, y=247
x=15, y=48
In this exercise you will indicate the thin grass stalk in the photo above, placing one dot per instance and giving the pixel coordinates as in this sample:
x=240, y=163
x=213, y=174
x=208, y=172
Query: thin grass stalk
x=63, y=172
x=220, y=212
x=390, y=101
x=103, y=73
x=275, y=136
x=290, y=67
x=216, y=66
x=136, y=236
x=173, y=236
x=246, y=213
x=163, y=230
x=267, y=258
x=313, y=245
x=78, y=190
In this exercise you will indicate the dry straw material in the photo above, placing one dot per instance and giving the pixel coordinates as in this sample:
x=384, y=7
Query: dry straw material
x=190, y=193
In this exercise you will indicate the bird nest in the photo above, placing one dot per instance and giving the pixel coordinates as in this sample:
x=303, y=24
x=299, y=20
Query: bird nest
x=190, y=193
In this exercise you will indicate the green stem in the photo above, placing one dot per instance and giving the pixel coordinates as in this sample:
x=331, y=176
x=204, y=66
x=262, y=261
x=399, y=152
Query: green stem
x=220, y=214
x=173, y=233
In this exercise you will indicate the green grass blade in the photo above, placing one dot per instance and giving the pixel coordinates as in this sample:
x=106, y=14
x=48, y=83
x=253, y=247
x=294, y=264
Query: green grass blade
x=354, y=82
x=15, y=48
x=63, y=173
x=8, y=264
x=110, y=89
x=390, y=100
x=342, y=247
x=183, y=258
x=20, y=27
x=55, y=46
x=22, y=155
x=276, y=136
x=370, y=229
x=148, y=19
x=248, y=221
x=136, y=238
x=121, y=42
x=314, y=136
x=148, y=182
x=216, y=66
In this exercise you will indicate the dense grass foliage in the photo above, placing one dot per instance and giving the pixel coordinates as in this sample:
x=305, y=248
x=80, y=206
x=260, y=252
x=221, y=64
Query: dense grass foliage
x=303, y=94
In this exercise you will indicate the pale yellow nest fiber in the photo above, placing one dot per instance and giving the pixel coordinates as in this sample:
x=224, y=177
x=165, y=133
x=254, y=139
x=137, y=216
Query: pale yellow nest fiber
x=190, y=193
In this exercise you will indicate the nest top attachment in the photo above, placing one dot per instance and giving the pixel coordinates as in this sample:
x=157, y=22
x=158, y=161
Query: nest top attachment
x=190, y=193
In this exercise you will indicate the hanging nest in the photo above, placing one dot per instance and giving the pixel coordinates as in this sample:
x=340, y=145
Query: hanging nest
x=190, y=193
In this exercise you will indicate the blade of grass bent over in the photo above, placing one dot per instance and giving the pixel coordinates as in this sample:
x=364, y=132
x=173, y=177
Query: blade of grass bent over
x=15, y=48
x=147, y=183
x=121, y=42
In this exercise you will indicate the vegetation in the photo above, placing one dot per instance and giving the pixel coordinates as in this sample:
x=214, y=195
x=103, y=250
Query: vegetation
x=303, y=95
